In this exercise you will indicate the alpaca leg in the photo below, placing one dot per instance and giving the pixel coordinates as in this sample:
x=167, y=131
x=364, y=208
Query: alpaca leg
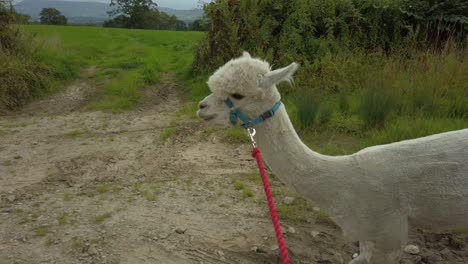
x=366, y=249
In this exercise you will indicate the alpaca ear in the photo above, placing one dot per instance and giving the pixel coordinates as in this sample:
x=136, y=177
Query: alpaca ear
x=245, y=54
x=279, y=75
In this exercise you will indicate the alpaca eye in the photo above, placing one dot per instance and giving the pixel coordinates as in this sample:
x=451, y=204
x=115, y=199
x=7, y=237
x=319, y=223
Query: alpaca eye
x=237, y=96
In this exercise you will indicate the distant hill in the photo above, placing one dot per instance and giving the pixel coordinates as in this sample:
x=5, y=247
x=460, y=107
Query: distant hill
x=184, y=15
x=90, y=12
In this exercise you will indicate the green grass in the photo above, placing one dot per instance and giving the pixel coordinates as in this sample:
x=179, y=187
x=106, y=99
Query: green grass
x=67, y=197
x=62, y=218
x=126, y=60
x=74, y=133
x=236, y=135
x=41, y=231
x=247, y=193
x=102, y=188
x=239, y=185
x=371, y=99
x=167, y=133
x=101, y=218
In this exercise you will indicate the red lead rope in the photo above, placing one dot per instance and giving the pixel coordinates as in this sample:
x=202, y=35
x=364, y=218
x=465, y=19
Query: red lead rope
x=271, y=205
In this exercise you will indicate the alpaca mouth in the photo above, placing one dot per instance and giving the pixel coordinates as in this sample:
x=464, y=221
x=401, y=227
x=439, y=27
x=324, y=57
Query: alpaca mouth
x=207, y=117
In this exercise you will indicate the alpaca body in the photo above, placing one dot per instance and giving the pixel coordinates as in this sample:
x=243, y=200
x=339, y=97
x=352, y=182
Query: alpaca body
x=375, y=194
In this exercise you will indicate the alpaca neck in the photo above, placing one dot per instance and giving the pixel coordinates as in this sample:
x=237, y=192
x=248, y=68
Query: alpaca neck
x=305, y=171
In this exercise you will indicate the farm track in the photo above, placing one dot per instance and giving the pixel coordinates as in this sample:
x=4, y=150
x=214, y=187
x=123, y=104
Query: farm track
x=82, y=186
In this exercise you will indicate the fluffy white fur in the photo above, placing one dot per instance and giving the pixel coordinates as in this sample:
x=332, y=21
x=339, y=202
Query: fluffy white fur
x=374, y=194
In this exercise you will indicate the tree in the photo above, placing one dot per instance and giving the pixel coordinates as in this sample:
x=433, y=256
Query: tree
x=52, y=16
x=201, y=24
x=134, y=10
x=153, y=19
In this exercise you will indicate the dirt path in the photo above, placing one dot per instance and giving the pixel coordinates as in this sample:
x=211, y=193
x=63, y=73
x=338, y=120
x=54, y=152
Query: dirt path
x=82, y=186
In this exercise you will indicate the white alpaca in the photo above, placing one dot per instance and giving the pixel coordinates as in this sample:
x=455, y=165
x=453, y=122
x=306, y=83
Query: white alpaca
x=374, y=194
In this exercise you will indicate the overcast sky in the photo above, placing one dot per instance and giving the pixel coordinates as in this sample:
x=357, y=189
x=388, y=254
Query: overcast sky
x=176, y=4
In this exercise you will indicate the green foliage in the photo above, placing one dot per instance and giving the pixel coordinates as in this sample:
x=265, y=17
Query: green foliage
x=141, y=14
x=307, y=107
x=199, y=25
x=101, y=218
x=236, y=135
x=21, y=76
x=304, y=31
x=375, y=107
x=62, y=218
x=239, y=185
x=51, y=16
x=41, y=231
x=153, y=19
x=247, y=193
x=325, y=113
x=167, y=133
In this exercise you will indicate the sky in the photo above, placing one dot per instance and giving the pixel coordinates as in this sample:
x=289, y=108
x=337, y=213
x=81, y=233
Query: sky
x=175, y=4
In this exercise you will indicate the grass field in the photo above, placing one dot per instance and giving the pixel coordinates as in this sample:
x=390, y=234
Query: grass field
x=127, y=60
x=351, y=101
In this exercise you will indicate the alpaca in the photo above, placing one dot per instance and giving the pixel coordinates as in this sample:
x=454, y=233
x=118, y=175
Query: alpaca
x=374, y=194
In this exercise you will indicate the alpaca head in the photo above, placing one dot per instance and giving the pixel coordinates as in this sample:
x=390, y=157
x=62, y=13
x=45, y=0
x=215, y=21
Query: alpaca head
x=249, y=83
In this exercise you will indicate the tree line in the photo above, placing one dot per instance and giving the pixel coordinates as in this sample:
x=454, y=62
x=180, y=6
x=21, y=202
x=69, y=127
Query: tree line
x=138, y=14
x=143, y=14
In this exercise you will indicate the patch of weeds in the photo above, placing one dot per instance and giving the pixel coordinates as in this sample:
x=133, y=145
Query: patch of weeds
x=167, y=133
x=247, y=193
x=62, y=218
x=208, y=131
x=41, y=231
x=35, y=216
x=253, y=177
x=101, y=218
x=136, y=187
x=236, y=135
x=116, y=188
x=298, y=211
x=456, y=243
x=3, y=132
x=239, y=185
x=7, y=163
x=67, y=197
x=102, y=188
x=150, y=196
x=224, y=206
x=325, y=113
x=18, y=211
x=189, y=109
x=17, y=157
x=74, y=133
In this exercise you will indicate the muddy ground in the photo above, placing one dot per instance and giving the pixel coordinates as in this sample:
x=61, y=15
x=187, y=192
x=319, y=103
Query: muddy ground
x=84, y=186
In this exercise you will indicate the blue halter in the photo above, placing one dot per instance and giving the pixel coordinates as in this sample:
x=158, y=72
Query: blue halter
x=236, y=113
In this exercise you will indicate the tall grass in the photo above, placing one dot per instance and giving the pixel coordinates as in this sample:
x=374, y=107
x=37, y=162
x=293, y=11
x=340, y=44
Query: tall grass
x=377, y=98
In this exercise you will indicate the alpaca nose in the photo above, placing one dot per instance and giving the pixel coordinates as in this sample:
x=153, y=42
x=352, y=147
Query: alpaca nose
x=202, y=105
